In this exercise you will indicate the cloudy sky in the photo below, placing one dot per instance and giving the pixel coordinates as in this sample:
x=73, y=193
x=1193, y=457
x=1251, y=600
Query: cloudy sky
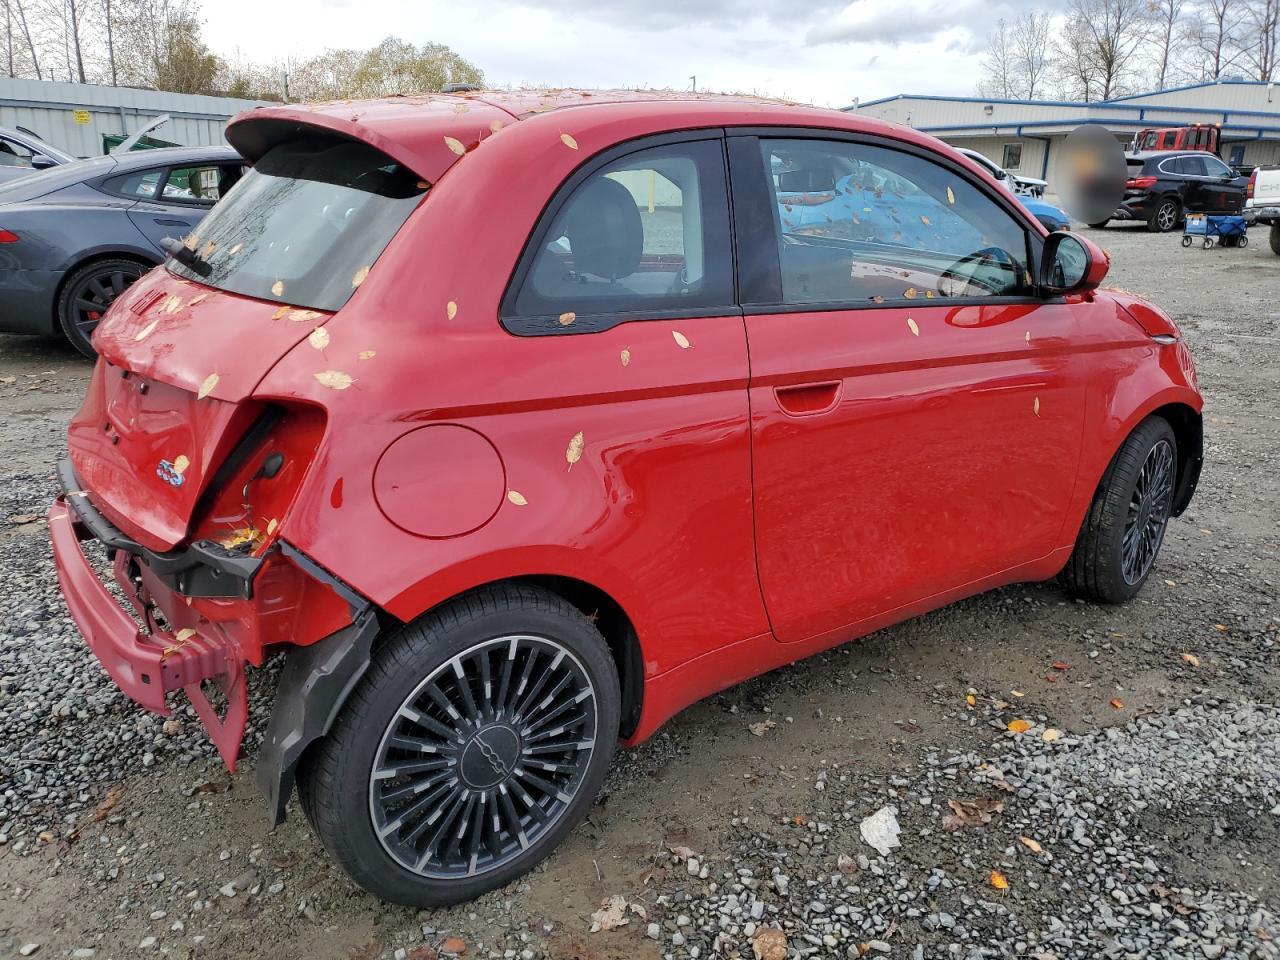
x=822, y=51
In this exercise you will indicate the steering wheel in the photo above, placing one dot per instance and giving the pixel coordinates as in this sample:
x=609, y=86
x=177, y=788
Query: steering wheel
x=986, y=254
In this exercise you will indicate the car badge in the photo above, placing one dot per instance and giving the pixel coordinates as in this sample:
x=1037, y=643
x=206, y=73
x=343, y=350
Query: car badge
x=169, y=473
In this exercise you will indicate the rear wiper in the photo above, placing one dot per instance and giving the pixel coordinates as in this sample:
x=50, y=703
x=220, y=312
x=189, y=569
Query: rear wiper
x=185, y=256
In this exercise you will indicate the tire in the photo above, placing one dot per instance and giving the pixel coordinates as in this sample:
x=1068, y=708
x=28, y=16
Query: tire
x=1275, y=239
x=87, y=293
x=479, y=767
x=1101, y=225
x=1165, y=217
x=1100, y=568
x=1186, y=241
x=1244, y=242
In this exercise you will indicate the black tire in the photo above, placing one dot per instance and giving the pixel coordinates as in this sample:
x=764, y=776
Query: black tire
x=87, y=293
x=1166, y=216
x=1186, y=241
x=1101, y=225
x=345, y=783
x=1098, y=568
x=1275, y=239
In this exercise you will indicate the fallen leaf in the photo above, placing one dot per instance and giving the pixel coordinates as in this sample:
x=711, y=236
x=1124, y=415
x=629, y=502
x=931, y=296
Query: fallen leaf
x=909, y=293
x=681, y=340
x=769, y=943
x=573, y=452
x=567, y=318
x=423, y=951
x=271, y=526
x=456, y=145
x=234, y=250
x=516, y=497
x=185, y=634
x=625, y=357
x=108, y=802
x=277, y=288
x=495, y=126
x=207, y=252
x=1027, y=336
x=971, y=700
x=172, y=304
x=239, y=537
x=281, y=312
x=682, y=854
x=180, y=464
x=611, y=915
x=1030, y=844
x=1018, y=726
x=451, y=309
x=951, y=197
x=763, y=727
x=147, y=330
x=367, y=354
x=911, y=325
x=1035, y=407
x=318, y=338
x=845, y=864
x=971, y=813
x=568, y=141
x=454, y=945
x=302, y=316
x=359, y=277
x=1191, y=658
x=198, y=298
x=191, y=241
x=1219, y=627
x=1117, y=703
x=1016, y=693
x=460, y=108
x=206, y=388
x=1059, y=665
x=334, y=379
x=998, y=880
x=1051, y=735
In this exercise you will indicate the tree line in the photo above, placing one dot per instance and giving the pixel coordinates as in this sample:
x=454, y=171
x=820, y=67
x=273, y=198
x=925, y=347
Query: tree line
x=1100, y=49
x=157, y=45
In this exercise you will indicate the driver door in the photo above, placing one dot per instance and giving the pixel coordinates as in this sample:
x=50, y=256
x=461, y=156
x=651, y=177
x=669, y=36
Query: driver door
x=917, y=412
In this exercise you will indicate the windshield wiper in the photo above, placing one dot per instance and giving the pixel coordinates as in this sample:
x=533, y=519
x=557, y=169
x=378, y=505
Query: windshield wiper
x=185, y=256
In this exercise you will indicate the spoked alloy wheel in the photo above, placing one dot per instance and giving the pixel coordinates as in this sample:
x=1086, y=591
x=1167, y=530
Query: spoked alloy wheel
x=483, y=756
x=1148, y=512
x=1167, y=216
x=89, y=293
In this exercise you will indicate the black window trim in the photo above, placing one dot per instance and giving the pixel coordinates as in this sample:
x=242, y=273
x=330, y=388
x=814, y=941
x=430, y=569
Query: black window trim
x=101, y=184
x=524, y=325
x=746, y=178
x=183, y=201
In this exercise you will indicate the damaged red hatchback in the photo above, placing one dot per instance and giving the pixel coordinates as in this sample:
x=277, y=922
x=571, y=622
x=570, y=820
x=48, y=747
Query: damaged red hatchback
x=522, y=422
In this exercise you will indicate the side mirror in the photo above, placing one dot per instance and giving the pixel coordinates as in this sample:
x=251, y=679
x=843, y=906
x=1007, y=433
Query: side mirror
x=40, y=162
x=1072, y=264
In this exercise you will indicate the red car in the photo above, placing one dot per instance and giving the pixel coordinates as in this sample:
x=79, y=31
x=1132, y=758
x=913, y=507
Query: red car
x=523, y=422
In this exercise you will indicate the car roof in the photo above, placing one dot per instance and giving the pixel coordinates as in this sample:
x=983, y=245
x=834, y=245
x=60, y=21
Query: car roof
x=426, y=131
x=161, y=156
x=1164, y=154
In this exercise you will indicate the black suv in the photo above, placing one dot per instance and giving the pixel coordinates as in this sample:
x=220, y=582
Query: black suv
x=1164, y=185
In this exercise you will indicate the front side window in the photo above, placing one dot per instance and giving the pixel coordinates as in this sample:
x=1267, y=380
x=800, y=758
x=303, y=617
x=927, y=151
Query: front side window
x=646, y=233
x=1215, y=167
x=864, y=223
x=303, y=224
x=14, y=154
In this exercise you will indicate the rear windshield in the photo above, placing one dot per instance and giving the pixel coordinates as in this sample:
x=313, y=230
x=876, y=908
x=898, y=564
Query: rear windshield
x=305, y=224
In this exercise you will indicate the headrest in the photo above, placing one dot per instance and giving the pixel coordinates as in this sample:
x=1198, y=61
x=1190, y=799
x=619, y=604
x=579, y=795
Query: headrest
x=602, y=225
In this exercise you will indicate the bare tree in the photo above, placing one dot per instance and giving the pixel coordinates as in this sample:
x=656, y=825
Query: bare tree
x=1261, y=36
x=1076, y=67
x=1032, y=52
x=17, y=36
x=997, y=63
x=1214, y=32
x=1106, y=36
x=1166, y=17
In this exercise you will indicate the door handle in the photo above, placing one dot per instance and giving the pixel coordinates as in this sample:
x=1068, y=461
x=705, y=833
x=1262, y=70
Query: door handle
x=808, y=399
x=165, y=222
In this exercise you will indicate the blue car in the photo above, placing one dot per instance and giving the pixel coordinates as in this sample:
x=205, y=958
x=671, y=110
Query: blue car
x=1053, y=218
x=73, y=238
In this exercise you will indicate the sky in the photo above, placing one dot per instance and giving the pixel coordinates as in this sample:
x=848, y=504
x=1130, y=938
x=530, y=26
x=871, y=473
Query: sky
x=826, y=52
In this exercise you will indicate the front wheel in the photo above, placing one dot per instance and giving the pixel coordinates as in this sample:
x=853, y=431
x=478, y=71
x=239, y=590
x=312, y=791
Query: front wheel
x=1186, y=241
x=1165, y=216
x=1126, y=522
x=477, y=739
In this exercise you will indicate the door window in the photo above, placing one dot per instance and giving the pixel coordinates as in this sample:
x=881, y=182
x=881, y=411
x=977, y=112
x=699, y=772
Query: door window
x=1190, y=166
x=14, y=154
x=1215, y=167
x=859, y=223
x=203, y=185
x=646, y=233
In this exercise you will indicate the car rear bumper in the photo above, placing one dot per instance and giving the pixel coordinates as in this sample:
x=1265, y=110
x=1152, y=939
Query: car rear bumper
x=1265, y=214
x=26, y=300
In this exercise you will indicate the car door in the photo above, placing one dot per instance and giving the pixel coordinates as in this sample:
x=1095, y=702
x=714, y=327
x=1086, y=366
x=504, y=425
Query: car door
x=916, y=411
x=173, y=200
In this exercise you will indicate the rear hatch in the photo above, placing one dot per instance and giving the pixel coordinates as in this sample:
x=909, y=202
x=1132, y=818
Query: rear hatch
x=182, y=351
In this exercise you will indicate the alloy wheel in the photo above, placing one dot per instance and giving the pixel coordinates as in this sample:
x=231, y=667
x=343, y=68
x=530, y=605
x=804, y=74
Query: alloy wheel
x=483, y=757
x=1167, y=215
x=96, y=291
x=1148, y=513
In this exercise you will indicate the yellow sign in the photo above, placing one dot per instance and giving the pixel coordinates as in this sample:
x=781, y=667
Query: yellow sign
x=81, y=116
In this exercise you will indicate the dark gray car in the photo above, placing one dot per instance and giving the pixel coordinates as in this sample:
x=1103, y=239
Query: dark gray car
x=73, y=238
x=22, y=153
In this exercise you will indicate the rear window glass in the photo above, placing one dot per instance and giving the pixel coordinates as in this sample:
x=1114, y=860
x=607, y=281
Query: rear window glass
x=305, y=224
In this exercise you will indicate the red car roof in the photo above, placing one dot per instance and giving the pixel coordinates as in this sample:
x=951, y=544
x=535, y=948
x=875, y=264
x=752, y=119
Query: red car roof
x=418, y=130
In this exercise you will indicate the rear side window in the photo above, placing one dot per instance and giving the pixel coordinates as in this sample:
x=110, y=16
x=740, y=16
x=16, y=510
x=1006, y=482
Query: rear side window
x=140, y=184
x=645, y=234
x=201, y=185
x=857, y=222
x=304, y=224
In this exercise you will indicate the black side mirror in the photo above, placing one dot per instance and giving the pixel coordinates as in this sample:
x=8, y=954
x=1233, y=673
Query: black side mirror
x=40, y=162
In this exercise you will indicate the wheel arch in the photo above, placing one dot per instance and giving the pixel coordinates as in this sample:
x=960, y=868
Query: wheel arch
x=1188, y=430
x=96, y=256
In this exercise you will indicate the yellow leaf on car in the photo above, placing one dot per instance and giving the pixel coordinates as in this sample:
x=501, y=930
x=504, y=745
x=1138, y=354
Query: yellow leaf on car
x=495, y=126
x=911, y=325
x=1018, y=726
x=206, y=388
x=1030, y=844
x=451, y=309
x=318, y=338
x=234, y=250
x=207, y=252
x=299, y=316
x=681, y=340
x=573, y=452
x=146, y=331
x=998, y=880
x=180, y=464
x=334, y=379
x=568, y=141
x=1035, y=407
x=516, y=497
x=951, y=197
x=281, y=313
x=277, y=288
x=271, y=526
x=198, y=298
x=455, y=145
x=172, y=304
x=567, y=318
x=909, y=293
x=360, y=276
x=185, y=634
x=367, y=354
x=625, y=357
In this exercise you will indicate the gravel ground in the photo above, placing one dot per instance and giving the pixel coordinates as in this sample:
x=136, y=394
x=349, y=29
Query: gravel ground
x=1137, y=815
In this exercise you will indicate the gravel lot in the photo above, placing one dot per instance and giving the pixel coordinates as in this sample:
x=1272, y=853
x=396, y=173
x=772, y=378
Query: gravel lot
x=1138, y=815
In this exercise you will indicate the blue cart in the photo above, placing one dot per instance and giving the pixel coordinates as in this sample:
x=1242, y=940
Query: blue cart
x=1230, y=230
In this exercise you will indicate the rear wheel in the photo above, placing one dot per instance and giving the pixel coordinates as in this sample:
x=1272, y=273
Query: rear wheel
x=87, y=294
x=1125, y=525
x=477, y=739
x=1165, y=216
x=1275, y=238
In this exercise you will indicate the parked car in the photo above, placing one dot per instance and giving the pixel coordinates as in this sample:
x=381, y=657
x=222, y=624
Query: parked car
x=22, y=153
x=74, y=238
x=1164, y=186
x=1262, y=201
x=1053, y=218
x=520, y=431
